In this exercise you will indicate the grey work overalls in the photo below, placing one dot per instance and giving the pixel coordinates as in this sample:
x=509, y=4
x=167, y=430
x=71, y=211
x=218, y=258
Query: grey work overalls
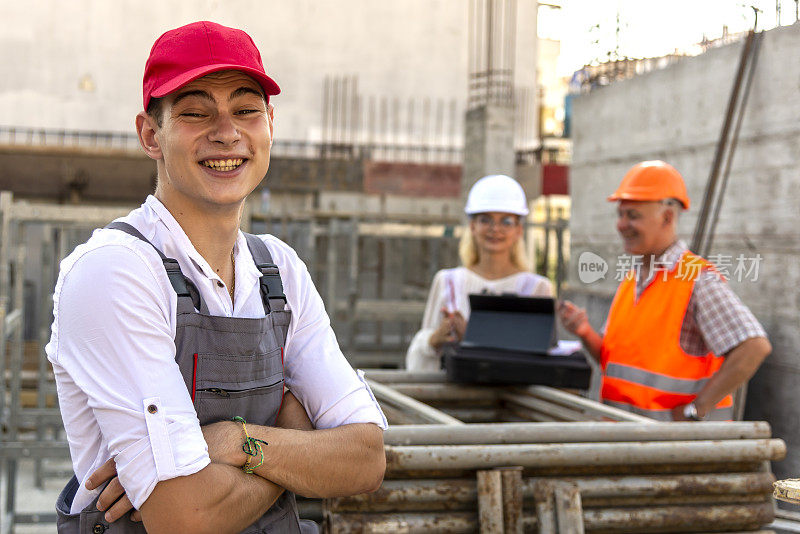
x=232, y=366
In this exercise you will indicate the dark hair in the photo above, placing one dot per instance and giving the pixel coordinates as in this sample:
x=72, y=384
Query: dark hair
x=156, y=110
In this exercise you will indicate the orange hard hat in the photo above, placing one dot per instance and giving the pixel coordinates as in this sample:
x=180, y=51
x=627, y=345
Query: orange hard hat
x=652, y=180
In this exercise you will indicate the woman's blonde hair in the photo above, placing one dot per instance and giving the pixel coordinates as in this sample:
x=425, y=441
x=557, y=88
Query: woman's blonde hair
x=470, y=255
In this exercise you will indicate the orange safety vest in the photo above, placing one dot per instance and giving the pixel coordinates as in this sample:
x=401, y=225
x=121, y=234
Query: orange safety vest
x=645, y=370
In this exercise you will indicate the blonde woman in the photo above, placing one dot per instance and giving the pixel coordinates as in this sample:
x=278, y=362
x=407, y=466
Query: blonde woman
x=493, y=261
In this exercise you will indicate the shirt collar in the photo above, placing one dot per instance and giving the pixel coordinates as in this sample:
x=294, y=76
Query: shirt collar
x=244, y=260
x=664, y=261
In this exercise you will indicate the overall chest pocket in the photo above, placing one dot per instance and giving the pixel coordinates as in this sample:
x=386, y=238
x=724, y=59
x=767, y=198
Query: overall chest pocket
x=250, y=386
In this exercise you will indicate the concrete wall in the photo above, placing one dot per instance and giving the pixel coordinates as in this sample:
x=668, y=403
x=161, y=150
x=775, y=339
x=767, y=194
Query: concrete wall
x=676, y=114
x=78, y=64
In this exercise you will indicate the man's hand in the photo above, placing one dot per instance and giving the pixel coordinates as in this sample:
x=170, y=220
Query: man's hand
x=113, y=498
x=576, y=321
x=677, y=413
x=573, y=318
x=222, y=437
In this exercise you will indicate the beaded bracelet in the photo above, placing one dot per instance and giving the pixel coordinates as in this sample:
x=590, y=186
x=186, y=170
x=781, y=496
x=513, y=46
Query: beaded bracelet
x=251, y=447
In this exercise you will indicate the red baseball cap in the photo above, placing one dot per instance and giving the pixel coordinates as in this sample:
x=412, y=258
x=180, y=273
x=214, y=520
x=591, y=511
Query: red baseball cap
x=192, y=51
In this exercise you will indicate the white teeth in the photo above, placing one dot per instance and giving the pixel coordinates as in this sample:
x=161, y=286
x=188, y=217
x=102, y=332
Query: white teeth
x=222, y=164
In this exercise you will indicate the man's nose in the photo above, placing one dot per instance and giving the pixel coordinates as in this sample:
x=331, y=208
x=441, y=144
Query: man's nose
x=224, y=130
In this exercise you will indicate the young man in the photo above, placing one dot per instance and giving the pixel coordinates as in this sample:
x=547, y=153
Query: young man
x=171, y=322
x=678, y=341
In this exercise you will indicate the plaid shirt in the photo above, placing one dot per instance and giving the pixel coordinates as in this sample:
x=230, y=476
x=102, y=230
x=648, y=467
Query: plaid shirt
x=716, y=320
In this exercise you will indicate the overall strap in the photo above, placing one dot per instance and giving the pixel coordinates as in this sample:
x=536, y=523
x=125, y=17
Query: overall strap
x=271, y=286
x=183, y=287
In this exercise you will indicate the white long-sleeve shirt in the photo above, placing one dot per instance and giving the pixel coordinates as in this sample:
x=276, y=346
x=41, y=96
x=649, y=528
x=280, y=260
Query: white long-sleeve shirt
x=113, y=352
x=451, y=289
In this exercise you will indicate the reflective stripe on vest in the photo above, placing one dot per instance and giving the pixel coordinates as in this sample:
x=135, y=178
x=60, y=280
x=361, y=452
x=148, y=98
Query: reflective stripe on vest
x=645, y=370
x=717, y=414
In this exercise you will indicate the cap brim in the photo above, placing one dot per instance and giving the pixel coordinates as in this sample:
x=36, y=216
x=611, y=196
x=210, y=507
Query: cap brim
x=638, y=198
x=267, y=84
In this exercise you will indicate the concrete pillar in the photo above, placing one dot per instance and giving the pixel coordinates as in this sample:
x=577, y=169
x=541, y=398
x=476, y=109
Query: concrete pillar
x=489, y=144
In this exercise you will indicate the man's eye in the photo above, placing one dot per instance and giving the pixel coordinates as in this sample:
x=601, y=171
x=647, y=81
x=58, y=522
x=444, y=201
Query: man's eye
x=191, y=114
x=246, y=111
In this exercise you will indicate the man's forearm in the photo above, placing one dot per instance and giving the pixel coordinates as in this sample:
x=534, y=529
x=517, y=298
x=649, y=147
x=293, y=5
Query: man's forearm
x=740, y=365
x=591, y=340
x=217, y=499
x=334, y=462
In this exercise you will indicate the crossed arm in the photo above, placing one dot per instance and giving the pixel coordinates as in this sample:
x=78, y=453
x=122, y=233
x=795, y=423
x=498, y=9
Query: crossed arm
x=221, y=498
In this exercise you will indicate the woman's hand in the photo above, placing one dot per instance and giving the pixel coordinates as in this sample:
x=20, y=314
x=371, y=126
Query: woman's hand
x=450, y=330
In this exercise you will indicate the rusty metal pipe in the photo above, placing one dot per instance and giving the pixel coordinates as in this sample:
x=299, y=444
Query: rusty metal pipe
x=387, y=395
x=638, y=520
x=393, y=376
x=490, y=501
x=559, y=412
x=474, y=415
x=496, y=433
x=530, y=415
x=449, y=393
x=577, y=454
x=679, y=518
x=667, y=485
x=451, y=523
x=585, y=405
x=461, y=494
x=686, y=500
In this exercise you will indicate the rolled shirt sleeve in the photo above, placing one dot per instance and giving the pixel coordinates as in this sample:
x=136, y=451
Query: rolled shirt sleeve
x=721, y=318
x=316, y=371
x=114, y=353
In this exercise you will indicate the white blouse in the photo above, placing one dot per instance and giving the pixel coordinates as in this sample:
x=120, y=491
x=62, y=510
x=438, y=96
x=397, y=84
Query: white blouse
x=451, y=289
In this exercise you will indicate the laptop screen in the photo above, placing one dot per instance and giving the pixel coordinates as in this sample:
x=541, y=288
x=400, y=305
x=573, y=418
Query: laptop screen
x=508, y=322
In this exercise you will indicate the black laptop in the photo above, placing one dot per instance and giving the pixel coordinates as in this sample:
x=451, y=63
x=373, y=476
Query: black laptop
x=510, y=340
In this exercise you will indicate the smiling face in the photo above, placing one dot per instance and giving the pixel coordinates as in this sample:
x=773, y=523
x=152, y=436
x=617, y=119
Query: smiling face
x=495, y=233
x=213, y=145
x=646, y=227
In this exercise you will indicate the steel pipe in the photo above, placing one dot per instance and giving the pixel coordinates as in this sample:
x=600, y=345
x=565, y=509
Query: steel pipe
x=490, y=501
x=632, y=520
x=680, y=518
x=685, y=500
x=385, y=394
x=559, y=412
x=474, y=415
x=446, y=523
x=461, y=494
x=669, y=485
x=531, y=415
x=450, y=393
x=576, y=454
x=497, y=433
x=584, y=404
x=393, y=376
x=393, y=495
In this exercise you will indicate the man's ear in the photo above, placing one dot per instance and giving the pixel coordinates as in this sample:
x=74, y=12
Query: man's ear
x=669, y=215
x=271, y=119
x=146, y=129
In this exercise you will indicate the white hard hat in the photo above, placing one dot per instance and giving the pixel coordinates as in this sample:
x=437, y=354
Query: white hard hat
x=499, y=193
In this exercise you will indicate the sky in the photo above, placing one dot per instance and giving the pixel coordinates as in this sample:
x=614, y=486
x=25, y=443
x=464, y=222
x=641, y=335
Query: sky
x=648, y=28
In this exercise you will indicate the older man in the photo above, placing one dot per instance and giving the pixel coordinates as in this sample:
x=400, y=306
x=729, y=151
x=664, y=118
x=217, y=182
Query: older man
x=175, y=333
x=678, y=341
